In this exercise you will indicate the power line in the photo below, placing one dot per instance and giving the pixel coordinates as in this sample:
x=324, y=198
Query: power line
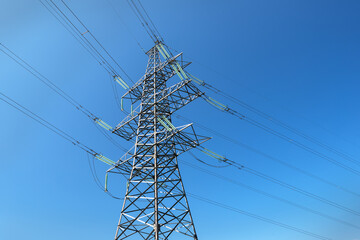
x=207, y=164
x=45, y=123
x=280, y=123
x=59, y=91
x=267, y=99
x=269, y=195
x=253, y=122
x=81, y=37
x=68, y=27
x=271, y=118
x=268, y=220
x=113, y=7
x=46, y=81
x=267, y=156
x=54, y=129
x=289, y=186
x=151, y=32
x=151, y=22
x=96, y=178
x=111, y=57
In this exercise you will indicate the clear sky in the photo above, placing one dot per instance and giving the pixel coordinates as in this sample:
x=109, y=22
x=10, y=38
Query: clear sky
x=295, y=60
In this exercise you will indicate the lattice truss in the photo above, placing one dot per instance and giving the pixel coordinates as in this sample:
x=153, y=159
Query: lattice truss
x=155, y=204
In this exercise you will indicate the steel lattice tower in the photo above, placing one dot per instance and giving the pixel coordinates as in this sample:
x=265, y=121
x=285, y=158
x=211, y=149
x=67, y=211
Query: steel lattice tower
x=155, y=204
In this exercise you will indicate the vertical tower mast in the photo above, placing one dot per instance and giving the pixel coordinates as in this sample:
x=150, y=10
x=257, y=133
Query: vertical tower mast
x=155, y=204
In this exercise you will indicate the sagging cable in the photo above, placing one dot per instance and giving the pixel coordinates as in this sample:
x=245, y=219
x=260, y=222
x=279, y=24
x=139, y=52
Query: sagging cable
x=122, y=104
x=106, y=182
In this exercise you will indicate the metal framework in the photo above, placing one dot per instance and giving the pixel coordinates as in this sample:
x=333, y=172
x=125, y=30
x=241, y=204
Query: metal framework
x=155, y=204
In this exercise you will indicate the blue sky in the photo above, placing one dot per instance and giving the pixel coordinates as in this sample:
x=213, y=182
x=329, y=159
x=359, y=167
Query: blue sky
x=296, y=60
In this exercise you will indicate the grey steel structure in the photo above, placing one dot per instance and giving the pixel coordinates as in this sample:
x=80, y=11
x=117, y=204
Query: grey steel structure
x=155, y=204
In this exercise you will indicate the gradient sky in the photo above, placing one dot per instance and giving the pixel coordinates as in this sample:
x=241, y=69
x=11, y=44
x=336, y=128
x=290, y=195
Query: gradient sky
x=295, y=60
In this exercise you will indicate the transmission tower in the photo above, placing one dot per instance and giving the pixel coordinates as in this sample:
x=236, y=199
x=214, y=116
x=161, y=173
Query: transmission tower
x=155, y=204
